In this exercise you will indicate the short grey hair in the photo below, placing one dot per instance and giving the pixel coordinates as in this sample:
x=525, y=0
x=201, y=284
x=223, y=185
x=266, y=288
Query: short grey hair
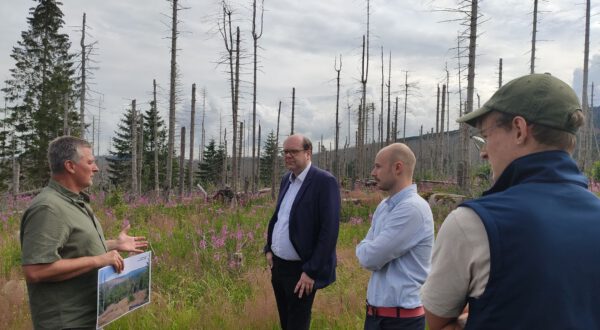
x=64, y=148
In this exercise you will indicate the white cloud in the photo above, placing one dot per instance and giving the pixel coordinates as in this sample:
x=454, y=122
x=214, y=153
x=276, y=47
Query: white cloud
x=297, y=49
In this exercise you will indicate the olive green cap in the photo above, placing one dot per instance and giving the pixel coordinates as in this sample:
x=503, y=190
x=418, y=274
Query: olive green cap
x=539, y=98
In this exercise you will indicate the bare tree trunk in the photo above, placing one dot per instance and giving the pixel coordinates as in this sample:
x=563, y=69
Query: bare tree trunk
x=336, y=162
x=155, y=137
x=437, y=111
x=83, y=82
x=362, y=109
x=203, y=132
x=255, y=37
x=134, y=145
x=500, y=73
x=463, y=176
x=66, y=127
x=239, y=157
x=181, y=165
x=16, y=169
x=173, y=76
x=276, y=158
x=293, y=108
x=533, y=36
x=387, y=137
x=389, y=94
x=441, y=135
x=98, y=129
x=586, y=135
x=234, y=158
x=395, y=128
x=258, y=157
x=460, y=100
x=224, y=175
x=192, y=131
x=140, y=152
x=405, y=106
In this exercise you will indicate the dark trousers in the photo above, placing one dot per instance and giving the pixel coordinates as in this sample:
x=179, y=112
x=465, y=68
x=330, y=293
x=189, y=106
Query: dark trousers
x=294, y=312
x=391, y=323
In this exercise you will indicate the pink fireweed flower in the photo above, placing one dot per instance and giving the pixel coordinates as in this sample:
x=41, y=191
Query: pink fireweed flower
x=202, y=244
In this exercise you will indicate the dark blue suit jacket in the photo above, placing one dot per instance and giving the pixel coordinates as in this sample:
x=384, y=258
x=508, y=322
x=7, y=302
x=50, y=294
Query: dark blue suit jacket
x=314, y=224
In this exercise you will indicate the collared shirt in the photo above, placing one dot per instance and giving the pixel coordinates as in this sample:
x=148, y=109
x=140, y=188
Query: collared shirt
x=281, y=244
x=59, y=224
x=397, y=249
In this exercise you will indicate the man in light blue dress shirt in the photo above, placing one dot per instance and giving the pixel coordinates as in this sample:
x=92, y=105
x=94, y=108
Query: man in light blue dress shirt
x=397, y=248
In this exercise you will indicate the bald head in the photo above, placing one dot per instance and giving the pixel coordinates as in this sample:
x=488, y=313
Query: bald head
x=394, y=167
x=299, y=139
x=297, y=151
x=401, y=152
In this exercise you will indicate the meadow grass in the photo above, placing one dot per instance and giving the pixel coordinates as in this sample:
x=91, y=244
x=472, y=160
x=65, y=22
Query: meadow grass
x=208, y=269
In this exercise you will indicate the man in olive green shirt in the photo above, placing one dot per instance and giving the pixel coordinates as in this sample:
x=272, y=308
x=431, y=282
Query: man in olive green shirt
x=62, y=243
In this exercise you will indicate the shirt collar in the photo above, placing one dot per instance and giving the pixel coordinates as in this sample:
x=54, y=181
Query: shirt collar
x=302, y=175
x=397, y=197
x=68, y=193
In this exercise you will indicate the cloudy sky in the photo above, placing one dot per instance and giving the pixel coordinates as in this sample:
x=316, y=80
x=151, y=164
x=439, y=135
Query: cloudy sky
x=300, y=42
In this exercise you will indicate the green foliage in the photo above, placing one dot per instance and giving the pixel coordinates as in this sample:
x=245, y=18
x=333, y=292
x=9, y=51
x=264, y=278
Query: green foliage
x=595, y=175
x=211, y=167
x=41, y=85
x=270, y=155
x=120, y=158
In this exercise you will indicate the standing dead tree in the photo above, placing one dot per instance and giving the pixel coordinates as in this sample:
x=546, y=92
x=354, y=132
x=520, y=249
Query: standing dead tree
x=155, y=138
x=181, y=185
x=389, y=95
x=463, y=169
x=192, y=129
x=533, y=37
x=233, y=59
x=255, y=36
x=86, y=74
x=585, y=159
x=363, y=109
x=293, y=109
x=336, y=162
x=134, y=151
x=387, y=137
x=202, y=131
x=276, y=158
x=83, y=82
x=172, y=98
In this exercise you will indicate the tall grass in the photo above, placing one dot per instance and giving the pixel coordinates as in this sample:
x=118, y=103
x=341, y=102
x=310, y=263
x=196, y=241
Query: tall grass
x=208, y=268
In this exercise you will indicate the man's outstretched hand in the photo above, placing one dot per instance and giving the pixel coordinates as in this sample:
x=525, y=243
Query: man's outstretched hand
x=126, y=243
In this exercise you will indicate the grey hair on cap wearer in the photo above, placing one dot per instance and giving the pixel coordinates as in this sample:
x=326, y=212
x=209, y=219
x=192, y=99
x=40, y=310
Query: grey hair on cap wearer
x=64, y=148
x=539, y=98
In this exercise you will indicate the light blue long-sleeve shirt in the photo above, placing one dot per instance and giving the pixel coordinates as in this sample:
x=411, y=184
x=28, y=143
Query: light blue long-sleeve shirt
x=282, y=245
x=397, y=249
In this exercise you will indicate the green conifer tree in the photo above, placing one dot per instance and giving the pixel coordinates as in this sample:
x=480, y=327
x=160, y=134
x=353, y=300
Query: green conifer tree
x=270, y=154
x=211, y=168
x=42, y=83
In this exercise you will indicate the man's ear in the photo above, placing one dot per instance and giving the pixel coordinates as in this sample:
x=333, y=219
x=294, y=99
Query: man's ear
x=520, y=126
x=399, y=167
x=69, y=166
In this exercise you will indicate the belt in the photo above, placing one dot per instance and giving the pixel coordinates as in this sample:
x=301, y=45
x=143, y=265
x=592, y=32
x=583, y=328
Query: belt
x=396, y=312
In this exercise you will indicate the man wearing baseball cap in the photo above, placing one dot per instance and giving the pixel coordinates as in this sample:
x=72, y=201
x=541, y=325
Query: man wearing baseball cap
x=525, y=255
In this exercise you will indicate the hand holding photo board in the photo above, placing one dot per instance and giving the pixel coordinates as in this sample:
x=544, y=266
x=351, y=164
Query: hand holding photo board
x=119, y=294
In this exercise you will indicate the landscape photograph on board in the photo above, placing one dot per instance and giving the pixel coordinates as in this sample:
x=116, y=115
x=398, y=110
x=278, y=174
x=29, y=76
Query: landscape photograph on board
x=121, y=293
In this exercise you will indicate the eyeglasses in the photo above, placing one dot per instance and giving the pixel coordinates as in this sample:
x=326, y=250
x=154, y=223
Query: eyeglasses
x=478, y=138
x=478, y=141
x=292, y=152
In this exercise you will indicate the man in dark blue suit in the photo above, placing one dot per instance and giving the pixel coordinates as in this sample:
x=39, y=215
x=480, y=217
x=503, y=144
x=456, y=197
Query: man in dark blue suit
x=302, y=234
